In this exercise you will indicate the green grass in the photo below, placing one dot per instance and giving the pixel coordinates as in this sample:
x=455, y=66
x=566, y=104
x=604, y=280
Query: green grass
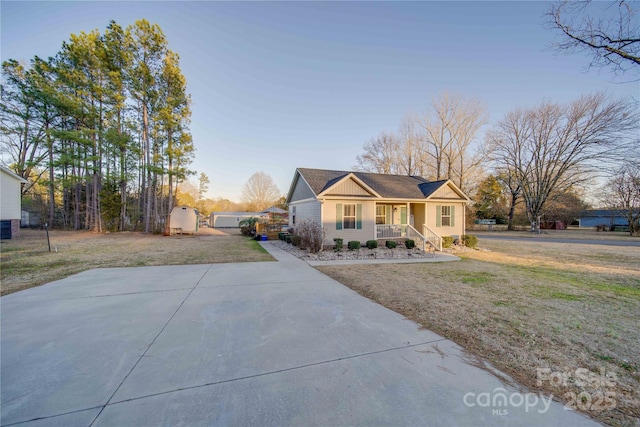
x=474, y=278
x=255, y=245
x=547, y=276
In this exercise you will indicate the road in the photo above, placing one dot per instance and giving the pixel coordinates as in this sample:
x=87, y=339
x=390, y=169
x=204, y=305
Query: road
x=627, y=243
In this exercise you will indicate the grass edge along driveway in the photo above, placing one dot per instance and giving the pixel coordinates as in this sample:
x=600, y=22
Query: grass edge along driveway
x=550, y=315
x=26, y=261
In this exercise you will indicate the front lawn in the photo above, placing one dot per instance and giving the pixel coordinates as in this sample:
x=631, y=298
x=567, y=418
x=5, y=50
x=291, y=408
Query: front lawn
x=529, y=307
x=26, y=261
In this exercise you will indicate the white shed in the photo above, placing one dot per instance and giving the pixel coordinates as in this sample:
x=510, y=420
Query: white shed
x=232, y=219
x=10, y=203
x=183, y=219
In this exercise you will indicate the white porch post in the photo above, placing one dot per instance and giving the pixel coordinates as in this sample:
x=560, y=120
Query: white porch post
x=464, y=219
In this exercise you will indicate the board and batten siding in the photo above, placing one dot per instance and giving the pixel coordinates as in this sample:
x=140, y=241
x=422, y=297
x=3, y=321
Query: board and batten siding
x=348, y=187
x=445, y=192
x=366, y=219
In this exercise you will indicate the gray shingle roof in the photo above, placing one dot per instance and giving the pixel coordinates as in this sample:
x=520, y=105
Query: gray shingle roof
x=387, y=186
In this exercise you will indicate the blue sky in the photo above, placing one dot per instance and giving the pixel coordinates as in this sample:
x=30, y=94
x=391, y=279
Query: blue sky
x=280, y=85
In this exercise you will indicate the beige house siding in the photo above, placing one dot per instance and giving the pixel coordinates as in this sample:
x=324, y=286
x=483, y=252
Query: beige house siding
x=418, y=210
x=329, y=216
x=458, y=220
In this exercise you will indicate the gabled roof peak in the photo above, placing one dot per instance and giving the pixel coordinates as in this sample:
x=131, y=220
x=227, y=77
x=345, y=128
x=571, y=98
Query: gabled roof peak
x=383, y=185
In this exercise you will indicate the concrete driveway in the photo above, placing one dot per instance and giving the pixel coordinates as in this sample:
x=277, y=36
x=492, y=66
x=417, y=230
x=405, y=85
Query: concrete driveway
x=273, y=343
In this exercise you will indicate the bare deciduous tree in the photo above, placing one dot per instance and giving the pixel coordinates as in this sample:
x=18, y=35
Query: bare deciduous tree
x=380, y=155
x=260, y=192
x=438, y=146
x=553, y=147
x=411, y=150
x=623, y=194
x=448, y=134
x=608, y=31
x=512, y=187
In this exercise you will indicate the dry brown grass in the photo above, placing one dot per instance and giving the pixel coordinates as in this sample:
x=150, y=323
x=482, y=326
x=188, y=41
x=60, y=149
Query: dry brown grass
x=26, y=261
x=521, y=305
x=527, y=305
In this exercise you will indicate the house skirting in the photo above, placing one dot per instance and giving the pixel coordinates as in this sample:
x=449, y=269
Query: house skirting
x=15, y=228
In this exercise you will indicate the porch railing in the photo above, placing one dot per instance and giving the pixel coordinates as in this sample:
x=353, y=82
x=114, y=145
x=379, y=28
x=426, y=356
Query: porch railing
x=390, y=231
x=432, y=237
x=420, y=240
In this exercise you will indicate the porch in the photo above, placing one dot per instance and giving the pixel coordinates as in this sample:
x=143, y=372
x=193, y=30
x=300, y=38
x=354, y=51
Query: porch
x=407, y=231
x=405, y=221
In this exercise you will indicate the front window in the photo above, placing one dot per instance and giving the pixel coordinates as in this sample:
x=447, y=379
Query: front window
x=446, y=216
x=349, y=217
x=381, y=214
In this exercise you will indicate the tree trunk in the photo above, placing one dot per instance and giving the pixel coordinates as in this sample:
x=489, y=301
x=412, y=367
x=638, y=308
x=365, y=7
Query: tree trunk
x=512, y=209
x=145, y=137
x=52, y=201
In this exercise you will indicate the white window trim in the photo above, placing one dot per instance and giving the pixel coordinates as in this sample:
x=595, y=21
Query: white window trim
x=345, y=216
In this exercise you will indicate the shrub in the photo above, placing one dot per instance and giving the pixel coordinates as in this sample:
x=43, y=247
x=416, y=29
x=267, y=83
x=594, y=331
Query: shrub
x=339, y=243
x=372, y=244
x=310, y=235
x=470, y=241
x=410, y=244
x=447, y=241
x=391, y=244
x=248, y=226
x=353, y=245
x=295, y=240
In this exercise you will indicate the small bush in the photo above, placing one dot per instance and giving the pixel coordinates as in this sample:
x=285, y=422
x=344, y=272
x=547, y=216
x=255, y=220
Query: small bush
x=391, y=244
x=372, y=244
x=353, y=245
x=339, y=243
x=447, y=241
x=309, y=235
x=248, y=226
x=470, y=241
x=410, y=244
x=295, y=240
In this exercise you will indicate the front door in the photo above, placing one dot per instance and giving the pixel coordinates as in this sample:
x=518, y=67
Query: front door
x=399, y=214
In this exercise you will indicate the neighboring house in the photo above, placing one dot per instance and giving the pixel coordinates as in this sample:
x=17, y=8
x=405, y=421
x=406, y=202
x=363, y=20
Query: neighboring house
x=610, y=217
x=367, y=206
x=10, y=203
x=232, y=219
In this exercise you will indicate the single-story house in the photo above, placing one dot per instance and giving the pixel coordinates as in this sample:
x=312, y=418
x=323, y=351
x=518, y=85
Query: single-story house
x=232, y=219
x=366, y=206
x=10, y=202
x=591, y=218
